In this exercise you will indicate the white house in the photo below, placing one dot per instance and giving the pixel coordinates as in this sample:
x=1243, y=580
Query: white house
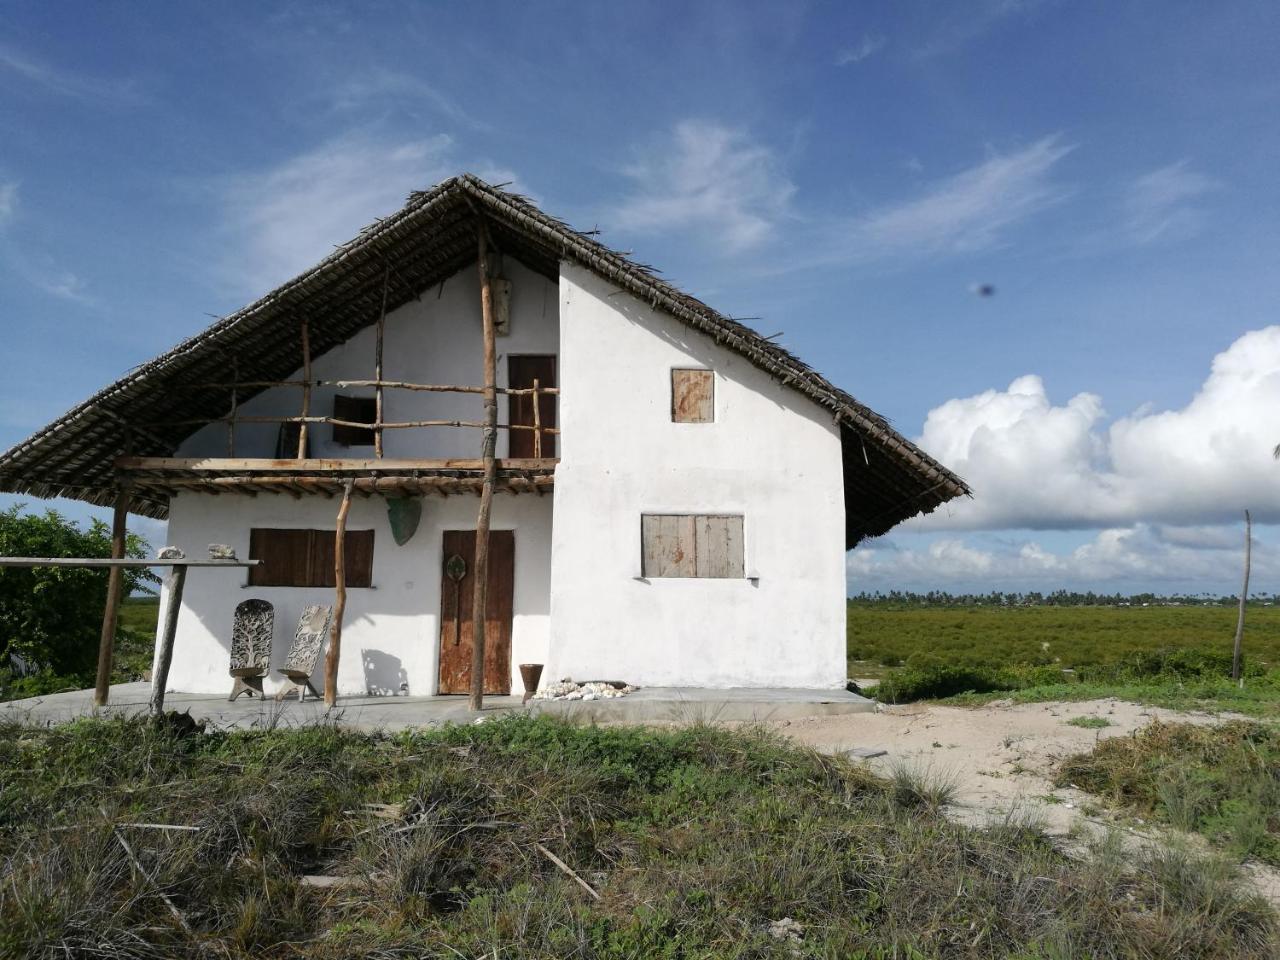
x=675, y=511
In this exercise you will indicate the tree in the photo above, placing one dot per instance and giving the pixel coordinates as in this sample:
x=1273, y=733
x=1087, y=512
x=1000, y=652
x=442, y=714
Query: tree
x=51, y=616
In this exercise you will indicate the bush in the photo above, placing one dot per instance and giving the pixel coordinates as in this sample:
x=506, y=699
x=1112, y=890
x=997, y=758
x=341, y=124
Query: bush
x=51, y=617
x=936, y=680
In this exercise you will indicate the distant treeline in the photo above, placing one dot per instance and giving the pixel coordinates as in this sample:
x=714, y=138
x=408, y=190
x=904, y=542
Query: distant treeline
x=1058, y=598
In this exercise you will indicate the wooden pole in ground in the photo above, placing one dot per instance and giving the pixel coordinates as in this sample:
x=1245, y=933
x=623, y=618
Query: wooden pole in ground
x=306, y=390
x=340, y=599
x=480, y=581
x=377, y=367
x=1237, y=653
x=115, y=587
x=164, y=652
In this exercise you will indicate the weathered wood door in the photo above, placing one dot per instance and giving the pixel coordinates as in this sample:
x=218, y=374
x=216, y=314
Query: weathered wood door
x=455, y=611
x=521, y=372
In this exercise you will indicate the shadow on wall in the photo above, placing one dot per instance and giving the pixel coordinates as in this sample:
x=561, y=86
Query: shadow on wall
x=384, y=675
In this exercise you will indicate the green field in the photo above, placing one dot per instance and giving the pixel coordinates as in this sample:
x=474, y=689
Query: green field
x=885, y=635
x=1175, y=656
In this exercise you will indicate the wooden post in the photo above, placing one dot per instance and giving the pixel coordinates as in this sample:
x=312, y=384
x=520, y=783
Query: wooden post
x=340, y=599
x=235, y=402
x=377, y=367
x=1237, y=655
x=480, y=591
x=306, y=391
x=115, y=587
x=537, y=423
x=164, y=651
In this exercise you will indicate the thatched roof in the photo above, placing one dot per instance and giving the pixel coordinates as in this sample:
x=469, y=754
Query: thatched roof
x=887, y=478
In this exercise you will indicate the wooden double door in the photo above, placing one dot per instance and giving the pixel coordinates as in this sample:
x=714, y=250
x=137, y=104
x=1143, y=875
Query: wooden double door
x=457, y=586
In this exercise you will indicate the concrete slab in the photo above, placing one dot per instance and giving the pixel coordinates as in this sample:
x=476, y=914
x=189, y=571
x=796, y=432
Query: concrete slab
x=649, y=705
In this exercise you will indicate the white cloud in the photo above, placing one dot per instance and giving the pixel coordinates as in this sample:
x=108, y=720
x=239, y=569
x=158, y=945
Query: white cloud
x=8, y=201
x=287, y=218
x=1036, y=465
x=867, y=47
x=1125, y=559
x=709, y=178
x=967, y=212
x=1160, y=205
x=382, y=86
x=65, y=82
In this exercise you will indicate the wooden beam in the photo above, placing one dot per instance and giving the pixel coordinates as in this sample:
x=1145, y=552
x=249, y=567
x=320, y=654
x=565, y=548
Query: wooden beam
x=115, y=589
x=480, y=588
x=377, y=366
x=306, y=390
x=318, y=465
x=164, y=651
x=339, y=599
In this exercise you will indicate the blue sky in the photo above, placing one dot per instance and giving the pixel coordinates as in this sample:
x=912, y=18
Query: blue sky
x=845, y=172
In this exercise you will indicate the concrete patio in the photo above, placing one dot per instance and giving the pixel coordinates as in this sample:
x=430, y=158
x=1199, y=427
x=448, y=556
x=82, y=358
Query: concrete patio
x=647, y=705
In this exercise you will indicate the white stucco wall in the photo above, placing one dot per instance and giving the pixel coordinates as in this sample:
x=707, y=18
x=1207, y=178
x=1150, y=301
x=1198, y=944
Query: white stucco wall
x=390, y=634
x=771, y=455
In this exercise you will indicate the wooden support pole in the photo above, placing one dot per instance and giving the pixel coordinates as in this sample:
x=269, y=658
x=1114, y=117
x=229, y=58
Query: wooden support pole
x=1237, y=655
x=377, y=367
x=339, y=599
x=480, y=591
x=306, y=391
x=235, y=402
x=164, y=649
x=115, y=587
x=537, y=423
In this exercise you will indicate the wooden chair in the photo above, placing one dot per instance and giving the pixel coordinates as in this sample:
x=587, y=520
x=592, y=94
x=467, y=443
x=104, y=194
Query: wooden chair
x=313, y=631
x=251, y=631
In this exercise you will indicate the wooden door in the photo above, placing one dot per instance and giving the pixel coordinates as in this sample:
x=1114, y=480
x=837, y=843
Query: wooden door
x=521, y=372
x=455, y=612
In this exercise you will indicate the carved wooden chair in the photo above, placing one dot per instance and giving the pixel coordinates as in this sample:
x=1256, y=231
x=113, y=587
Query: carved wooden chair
x=313, y=631
x=251, y=631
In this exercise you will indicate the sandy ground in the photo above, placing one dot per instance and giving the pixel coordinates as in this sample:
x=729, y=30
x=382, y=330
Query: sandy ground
x=1003, y=756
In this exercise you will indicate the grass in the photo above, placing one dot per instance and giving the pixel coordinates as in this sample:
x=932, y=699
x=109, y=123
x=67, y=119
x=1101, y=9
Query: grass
x=1221, y=781
x=1176, y=657
x=696, y=839
x=1089, y=723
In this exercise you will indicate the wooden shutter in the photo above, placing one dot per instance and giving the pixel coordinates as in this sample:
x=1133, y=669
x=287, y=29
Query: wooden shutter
x=718, y=546
x=285, y=556
x=357, y=410
x=692, y=396
x=359, y=558
x=304, y=558
x=668, y=545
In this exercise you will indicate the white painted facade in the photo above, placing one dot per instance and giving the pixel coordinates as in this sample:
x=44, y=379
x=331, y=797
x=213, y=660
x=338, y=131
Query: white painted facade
x=581, y=606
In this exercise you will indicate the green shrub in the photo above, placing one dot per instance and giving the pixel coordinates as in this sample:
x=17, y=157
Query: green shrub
x=51, y=617
x=936, y=680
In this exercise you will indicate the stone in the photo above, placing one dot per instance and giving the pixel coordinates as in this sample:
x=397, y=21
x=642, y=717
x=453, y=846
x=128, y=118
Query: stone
x=221, y=551
x=171, y=553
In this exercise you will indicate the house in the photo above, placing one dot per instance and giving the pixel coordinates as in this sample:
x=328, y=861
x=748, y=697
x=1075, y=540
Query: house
x=673, y=494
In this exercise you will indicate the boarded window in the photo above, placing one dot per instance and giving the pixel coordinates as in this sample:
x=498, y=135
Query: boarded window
x=304, y=558
x=693, y=396
x=683, y=545
x=354, y=410
x=287, y=441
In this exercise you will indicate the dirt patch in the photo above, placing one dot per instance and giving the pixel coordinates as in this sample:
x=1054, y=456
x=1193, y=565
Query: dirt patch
x=1003, y=756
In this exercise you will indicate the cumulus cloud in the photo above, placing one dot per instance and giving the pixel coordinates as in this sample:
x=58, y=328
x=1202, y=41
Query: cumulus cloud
x=288, y=217
x=710, y=178
x=1125, y=559
x=1037, y=465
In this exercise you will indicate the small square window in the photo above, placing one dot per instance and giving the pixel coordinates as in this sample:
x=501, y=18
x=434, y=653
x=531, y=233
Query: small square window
x=692, y=396
x=354, y=410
